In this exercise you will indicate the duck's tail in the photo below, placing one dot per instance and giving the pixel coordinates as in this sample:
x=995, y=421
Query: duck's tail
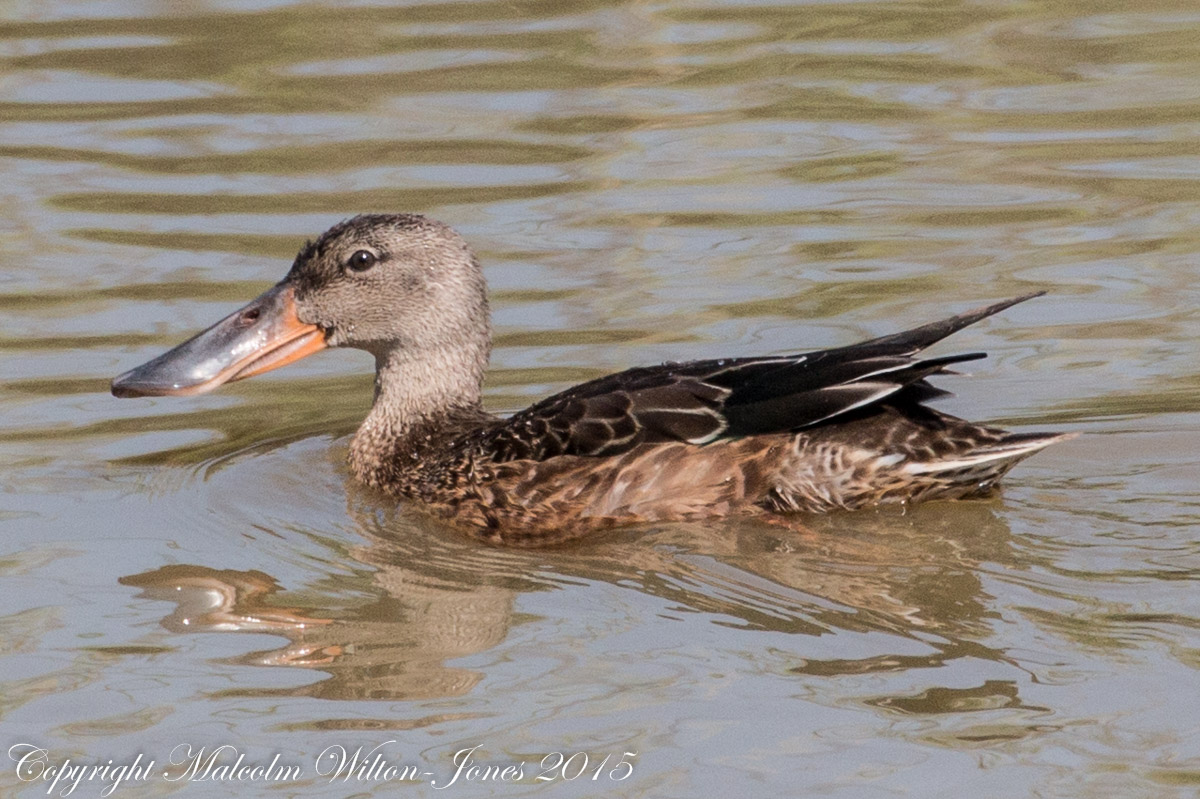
x=897, y=457
x=976, y=470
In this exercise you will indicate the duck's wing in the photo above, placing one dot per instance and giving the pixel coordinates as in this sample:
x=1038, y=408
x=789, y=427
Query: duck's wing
x=702, y=401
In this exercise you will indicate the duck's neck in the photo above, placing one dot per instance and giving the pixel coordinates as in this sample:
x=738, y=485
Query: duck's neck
x=421, y=400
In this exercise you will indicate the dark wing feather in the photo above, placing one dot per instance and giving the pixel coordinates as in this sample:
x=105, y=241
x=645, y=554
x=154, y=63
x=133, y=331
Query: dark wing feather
x=702, y=401
x=917, y=339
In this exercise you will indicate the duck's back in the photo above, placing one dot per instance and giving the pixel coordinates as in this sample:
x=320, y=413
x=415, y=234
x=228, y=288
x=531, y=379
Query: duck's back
x=816, y=431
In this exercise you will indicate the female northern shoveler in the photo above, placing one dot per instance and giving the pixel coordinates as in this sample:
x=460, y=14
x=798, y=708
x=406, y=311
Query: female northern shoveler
x=838, y=428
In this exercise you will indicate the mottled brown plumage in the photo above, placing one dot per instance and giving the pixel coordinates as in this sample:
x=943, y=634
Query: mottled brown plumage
x=815, y=431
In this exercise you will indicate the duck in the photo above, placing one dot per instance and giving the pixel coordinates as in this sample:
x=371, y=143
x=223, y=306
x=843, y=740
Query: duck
x=812, y=432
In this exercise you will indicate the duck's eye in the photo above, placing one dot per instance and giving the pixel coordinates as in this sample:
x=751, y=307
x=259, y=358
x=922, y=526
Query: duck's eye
x=362, y=260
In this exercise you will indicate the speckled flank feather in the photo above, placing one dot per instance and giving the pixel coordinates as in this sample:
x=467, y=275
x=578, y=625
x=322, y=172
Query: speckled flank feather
x=885, y=458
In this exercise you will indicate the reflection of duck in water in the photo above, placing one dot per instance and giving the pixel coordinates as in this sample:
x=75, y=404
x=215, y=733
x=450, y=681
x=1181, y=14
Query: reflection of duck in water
x=418, y=602
x=839, y=428
x=397, y=647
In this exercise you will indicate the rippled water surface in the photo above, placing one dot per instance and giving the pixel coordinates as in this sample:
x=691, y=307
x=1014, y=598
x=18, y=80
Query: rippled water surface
x=644, y=181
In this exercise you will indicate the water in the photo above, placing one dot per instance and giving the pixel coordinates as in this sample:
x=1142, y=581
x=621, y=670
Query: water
x=644, y=182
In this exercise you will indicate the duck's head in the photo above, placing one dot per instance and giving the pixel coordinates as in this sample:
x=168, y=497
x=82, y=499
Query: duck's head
x=401, y=286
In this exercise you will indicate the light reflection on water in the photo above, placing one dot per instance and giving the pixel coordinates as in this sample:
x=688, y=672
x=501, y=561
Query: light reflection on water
x=643, y=183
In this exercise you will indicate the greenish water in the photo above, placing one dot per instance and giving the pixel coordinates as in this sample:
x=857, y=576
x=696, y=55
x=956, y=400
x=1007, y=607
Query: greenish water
x=644, y=182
